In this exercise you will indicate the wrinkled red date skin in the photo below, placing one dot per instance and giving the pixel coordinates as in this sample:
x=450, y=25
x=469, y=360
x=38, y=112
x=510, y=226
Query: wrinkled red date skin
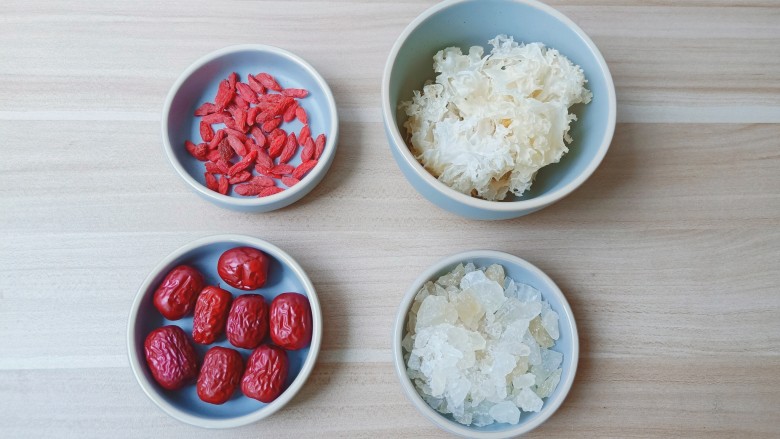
x=290, y=321
x=245, y=268
x=176, y=295
x=211, y=312
x=247, y=323
x=170, y=357
x=220, y=375
x=266, y=372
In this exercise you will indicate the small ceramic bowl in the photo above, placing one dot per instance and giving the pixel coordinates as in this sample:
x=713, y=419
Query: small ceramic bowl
x=567, y=344
x=466, y=23
x=284, y=274
x=198, y=84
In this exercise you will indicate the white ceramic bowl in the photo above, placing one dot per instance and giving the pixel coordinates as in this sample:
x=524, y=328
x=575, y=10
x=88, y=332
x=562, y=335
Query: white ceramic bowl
x=567, y=344
x=284, y=275
x=198, y=84
x=465, y=23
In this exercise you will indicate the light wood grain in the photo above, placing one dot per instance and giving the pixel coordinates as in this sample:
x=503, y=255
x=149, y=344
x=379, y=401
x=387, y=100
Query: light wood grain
x=668, y=254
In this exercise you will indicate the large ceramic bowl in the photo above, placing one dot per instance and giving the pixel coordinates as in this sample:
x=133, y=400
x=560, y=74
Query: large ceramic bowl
x=567, y=344
x=284, y=274
x=198, y=84
x=466, y=23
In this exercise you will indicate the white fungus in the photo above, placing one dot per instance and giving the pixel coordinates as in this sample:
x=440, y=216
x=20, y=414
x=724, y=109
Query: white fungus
x=489, y=123
x=477, y=346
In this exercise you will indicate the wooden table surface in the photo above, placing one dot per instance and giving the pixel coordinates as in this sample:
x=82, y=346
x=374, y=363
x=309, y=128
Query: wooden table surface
x=669, y=254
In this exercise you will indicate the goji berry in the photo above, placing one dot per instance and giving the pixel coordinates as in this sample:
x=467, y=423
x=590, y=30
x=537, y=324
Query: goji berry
x=240, y=177
x=237, y=145
x=246, y=92
x=283, y=169
x=256, y=86
x=240, y=118
x=223, y=186
x=251, y=115
x=225, y=94
x=308, y=150
x=289, y=113
x=295, y=92
x=319, y=145
x=232, y=79
x=200, y=151
x=300, y=113
x=206, y=132
x=289, y=181
x=211, y=181
x=246, y=162
x=268, y=81
x=304, y=169
x=272, y=124
x=290, y=147
x=267, y=192
x=206, y=109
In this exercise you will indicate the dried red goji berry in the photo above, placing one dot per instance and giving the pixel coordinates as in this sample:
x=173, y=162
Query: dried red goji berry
x=283, y=169
x=232, y=79
x=267, y=192
x=211, y=181
x=218, y=136
x=200, y=152
x=214, y=118
x=295, y=92
x=289, y=181
x=289, y=113
x=223, y=166
x=251, y=115
x=264, y=160
x=319, y=145
x=304, y=169
x=246, y=162
x=240, y=177
x=308, y=150
x=248, y=189
x=277, y=145
x=272, y=124
x=206, y=109
x=213, y=168
x=237, y=145
x=261, y=180
x=300, y=113
x=241, y=103
x=225, y=150
x=304, y=134
x=240, y=118
x=290, y=147
x=235, y=133
x=223, y=185
x=246, y=92
x=259, y=137
x=213, y=156
x=268, y=81
x=206, y=132
x=256, y=86
x=225, y=94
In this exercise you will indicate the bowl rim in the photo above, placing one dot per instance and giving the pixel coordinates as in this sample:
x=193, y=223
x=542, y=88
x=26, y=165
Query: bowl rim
x=137, y=363
x=306, y=184
x=477, y=203
x=550, y=406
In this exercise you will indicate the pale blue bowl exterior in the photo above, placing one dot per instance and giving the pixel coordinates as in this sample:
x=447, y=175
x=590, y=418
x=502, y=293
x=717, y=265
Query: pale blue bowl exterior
x=465, y=23
x=184, y=404
x=567, y=344
x=198, y=84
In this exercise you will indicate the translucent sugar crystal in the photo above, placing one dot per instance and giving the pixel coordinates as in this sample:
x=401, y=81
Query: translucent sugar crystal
x=550, y=321
x=540, y=334
x=549, y=384
x=495, y=273
x=476, y=346
x=505, y=411
x=436, y=310
x=528, y=401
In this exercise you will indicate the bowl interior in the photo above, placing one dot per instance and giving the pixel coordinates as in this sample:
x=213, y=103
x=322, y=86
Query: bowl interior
x=473, y=23
x=282, y=278
x=200, y=86
x=565, y=344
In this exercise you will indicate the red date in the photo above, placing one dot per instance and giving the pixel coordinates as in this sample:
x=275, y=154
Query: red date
x=266, y=373
x=220, y=375
x=247, y=323
x=290, y=321
x=211, y=311
x=245, y=268
x=176, y=295
x=170, y=357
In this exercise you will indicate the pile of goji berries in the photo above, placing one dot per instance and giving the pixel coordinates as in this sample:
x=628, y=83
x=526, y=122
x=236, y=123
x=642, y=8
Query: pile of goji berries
x=252, y=114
